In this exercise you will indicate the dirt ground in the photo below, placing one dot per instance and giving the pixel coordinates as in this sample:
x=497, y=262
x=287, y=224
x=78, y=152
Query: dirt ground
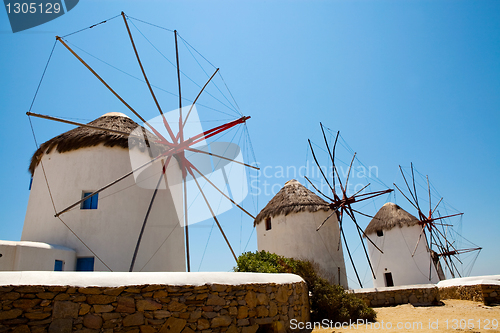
x=453, y=316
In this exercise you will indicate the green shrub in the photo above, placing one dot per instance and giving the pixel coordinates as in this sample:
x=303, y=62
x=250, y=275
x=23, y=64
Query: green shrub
x=327, y=301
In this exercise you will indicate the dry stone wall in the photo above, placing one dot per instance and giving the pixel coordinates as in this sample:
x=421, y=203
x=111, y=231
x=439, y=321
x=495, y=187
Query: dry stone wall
x=486, y=293
x=153, y=308
x=417, y=294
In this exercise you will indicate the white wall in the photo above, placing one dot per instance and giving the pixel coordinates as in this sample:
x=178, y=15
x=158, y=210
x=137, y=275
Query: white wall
x=398, y=245
x=295, y=236
x=34, y=256
x=112, y=230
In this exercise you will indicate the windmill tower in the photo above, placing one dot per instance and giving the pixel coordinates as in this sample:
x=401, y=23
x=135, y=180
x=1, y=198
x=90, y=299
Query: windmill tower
x=395, y=231
x=287, y=226
x=104, y=229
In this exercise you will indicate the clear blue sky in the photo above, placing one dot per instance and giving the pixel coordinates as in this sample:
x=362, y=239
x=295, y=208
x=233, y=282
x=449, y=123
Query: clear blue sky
x=404, y=81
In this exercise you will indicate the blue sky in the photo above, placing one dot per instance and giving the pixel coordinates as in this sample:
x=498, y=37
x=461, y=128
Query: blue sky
x=404, y=81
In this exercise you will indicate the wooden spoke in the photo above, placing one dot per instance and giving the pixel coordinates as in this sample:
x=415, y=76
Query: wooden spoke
x=418, y=241
x=188, y=258
x=319, y=167
x=147, y=214
x=322, y=223
x=318, y=190
x=190, y=165
x=331, y=155
x=77, y=124
x=219, y=156
x=181, y=127
x=436, y=206
x=353, y=218
x=338, y=178
x=196, y=99
x=349, y=171
x=362, y=231
x=407, y=185
x=429, y=188
x=415, y=189
x=361, y=190
x=213, y=214
x=405, y=196
x=167, y=126
x=350, y=258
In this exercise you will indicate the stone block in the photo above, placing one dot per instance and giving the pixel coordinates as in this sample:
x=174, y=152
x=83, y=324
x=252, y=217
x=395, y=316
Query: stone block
x=243, y=322
x=148, y=305
x=215, y=300
x=242, y=312
x=175, y=306
x=281, y=295
x=92, y=321
x=262, y=299
x=173, y=325
x=65, y=309
x=22, y=329
x=90, y=290
x=37, y=315
x=61, y=325
x=101, y=299
x=10, y=296
x=10, y=314
x=160, y=293
x=218, y=287
x=26, y=303
x=203, y=324
x=147, y=329
x=126, y=304
x=30, y=289
x=135, y=319
x=250, y=329
x=221, y=321
x=84, y=309
x=99, y=308
x=262, y=311
x=113, y=291
x=251, y=299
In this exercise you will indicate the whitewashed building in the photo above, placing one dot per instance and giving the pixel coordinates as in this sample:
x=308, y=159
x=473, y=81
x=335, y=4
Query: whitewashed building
x=101, y=233
x=287, y=226
x=396, y=233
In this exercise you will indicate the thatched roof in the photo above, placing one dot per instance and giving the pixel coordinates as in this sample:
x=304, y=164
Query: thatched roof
x=292, y=198
x=390, y=216
x=82, y=137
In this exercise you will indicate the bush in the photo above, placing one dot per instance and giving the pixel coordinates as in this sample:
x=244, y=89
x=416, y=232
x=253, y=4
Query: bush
x=327, y=301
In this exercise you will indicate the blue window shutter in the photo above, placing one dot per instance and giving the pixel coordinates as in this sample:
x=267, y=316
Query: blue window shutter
x=93, y=201
x=85, y=264
x=90, y=203
x=58, y=265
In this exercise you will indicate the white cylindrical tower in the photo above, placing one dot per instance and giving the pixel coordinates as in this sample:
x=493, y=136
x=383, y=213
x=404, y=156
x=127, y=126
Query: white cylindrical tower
x=82, y=160
x=396, y=232
x=287, y=226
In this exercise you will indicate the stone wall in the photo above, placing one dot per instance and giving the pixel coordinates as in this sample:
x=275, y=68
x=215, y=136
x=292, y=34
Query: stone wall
x=417, y=294
x=486, y=293
x=153, y=308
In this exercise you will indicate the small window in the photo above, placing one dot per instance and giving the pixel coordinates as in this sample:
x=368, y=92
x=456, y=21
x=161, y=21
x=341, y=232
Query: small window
x=90, y=203
x=31, y=182
x=58, y=265
x=268, y=223
x=388, y=280
x=85, y=264
x=380, y=233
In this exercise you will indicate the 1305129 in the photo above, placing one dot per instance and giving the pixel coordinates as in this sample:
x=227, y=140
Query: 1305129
x=33, y=8
x=461, y=324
